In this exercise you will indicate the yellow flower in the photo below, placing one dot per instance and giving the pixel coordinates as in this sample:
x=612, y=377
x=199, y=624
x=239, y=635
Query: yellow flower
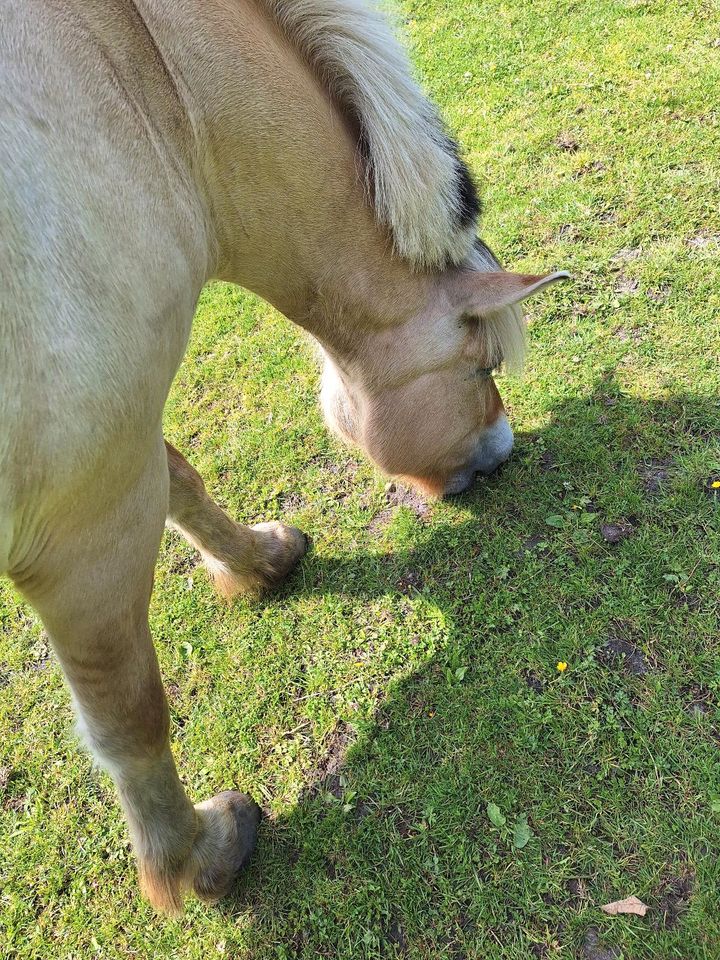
x=715, y=485
x=562, y=666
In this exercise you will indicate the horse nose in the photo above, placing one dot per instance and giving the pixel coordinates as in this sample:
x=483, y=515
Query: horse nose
x=493, y=449
x=495, y=446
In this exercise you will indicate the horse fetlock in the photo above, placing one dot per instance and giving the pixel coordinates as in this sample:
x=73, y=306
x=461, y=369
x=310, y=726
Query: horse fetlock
x=258, y=565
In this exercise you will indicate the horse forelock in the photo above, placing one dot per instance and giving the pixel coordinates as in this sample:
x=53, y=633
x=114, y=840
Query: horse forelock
x=418, y=185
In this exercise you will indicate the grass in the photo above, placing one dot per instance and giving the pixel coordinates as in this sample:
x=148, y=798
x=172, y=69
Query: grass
x=435, y=787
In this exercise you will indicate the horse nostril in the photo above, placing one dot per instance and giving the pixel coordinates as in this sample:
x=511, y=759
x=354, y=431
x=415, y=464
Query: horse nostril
x=493, y=450
x=495, y=446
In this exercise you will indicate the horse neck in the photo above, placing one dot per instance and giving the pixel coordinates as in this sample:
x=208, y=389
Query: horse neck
x=278, y=167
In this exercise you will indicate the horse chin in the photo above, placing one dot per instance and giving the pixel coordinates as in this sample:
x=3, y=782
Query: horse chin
x=459, y=483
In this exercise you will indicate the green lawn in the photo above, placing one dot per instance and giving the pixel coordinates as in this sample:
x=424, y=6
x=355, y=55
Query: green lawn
x=434, y=786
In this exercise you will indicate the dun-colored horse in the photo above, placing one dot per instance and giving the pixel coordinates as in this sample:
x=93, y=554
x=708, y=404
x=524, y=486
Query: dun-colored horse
x=145, y=147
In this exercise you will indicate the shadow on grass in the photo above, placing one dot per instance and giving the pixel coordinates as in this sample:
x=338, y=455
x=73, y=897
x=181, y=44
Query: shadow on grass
x=390, y=851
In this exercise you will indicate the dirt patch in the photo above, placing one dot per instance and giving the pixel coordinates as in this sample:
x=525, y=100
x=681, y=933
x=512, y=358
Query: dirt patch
x=606, y=216
x=699, y=701
x=577, y=889
x=349, y=467
x=404, y=828
x=626, y=255
x=626, y=286
x=623, y=653
x=533, y=681
x=396, y=935
x=594, y=949
x=399, y=496
x=594, y=166
x=40, y=654
x=653, y=473
x=5, y=776
x=291, y=501
x=703, y=241
x=381, y=520
x=658, y=294
x=567, y=142
x=410, y=582
x=326, y=774
x=569, y=232
x=623, y=335
x=616, y=532
x=396, y=495
x=547, y=462
x=533, y=545
x=674, y=899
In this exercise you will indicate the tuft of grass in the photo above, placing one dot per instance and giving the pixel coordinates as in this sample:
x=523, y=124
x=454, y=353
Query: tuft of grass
x=434, y=786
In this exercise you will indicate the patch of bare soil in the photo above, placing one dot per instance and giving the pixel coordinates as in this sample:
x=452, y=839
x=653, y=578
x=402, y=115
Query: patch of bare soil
x=674, y=899
x=533, y=681
x=396, y=936
x=653, y=473
x=624, y=256
x=594, y=949
x=699, y=701
x=658, y=294
x=291, y=501
x=703, y=241
x=547, y=462
x=532, y=545
x=567, y=142
x=539, y=950
x=593, y=166
x=577, y=889
x=616, y=532
x=626, y=286
x=622, y=653
x=325, y=775
x=410, y=582
x=381, y=520
x=623, y=335
x=397, y=495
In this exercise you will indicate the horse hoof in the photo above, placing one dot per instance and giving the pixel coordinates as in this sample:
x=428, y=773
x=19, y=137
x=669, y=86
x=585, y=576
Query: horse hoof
x=283, y=547
x=229, y=822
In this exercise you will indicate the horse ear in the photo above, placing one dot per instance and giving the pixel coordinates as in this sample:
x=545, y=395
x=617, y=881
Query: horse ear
x=486, y=292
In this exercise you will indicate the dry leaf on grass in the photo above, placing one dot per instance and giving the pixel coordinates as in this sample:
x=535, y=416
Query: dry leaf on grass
x=628, y=905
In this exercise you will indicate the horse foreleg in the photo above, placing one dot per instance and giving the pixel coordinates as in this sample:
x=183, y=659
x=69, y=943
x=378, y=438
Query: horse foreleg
x=92, y=586
x=239, y=559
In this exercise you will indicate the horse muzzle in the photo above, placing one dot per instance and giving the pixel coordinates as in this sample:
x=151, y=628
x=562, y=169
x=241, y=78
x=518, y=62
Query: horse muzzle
x=494, y=448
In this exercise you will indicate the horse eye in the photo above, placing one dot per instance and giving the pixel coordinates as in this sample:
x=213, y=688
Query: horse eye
x=484, y=372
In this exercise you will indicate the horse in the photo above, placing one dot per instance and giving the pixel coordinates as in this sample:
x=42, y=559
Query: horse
x=146, y=147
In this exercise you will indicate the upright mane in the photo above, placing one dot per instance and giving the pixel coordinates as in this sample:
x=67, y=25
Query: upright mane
x=419, y=187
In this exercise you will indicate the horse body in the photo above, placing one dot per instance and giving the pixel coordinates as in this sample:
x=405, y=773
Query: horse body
x=103, y=258
x=146, y=147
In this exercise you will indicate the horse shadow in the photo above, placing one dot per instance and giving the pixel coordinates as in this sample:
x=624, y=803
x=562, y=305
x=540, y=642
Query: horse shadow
x=389, y=849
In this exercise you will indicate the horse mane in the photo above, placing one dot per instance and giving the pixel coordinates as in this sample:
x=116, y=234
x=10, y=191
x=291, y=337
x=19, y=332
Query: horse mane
x=419, y=187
